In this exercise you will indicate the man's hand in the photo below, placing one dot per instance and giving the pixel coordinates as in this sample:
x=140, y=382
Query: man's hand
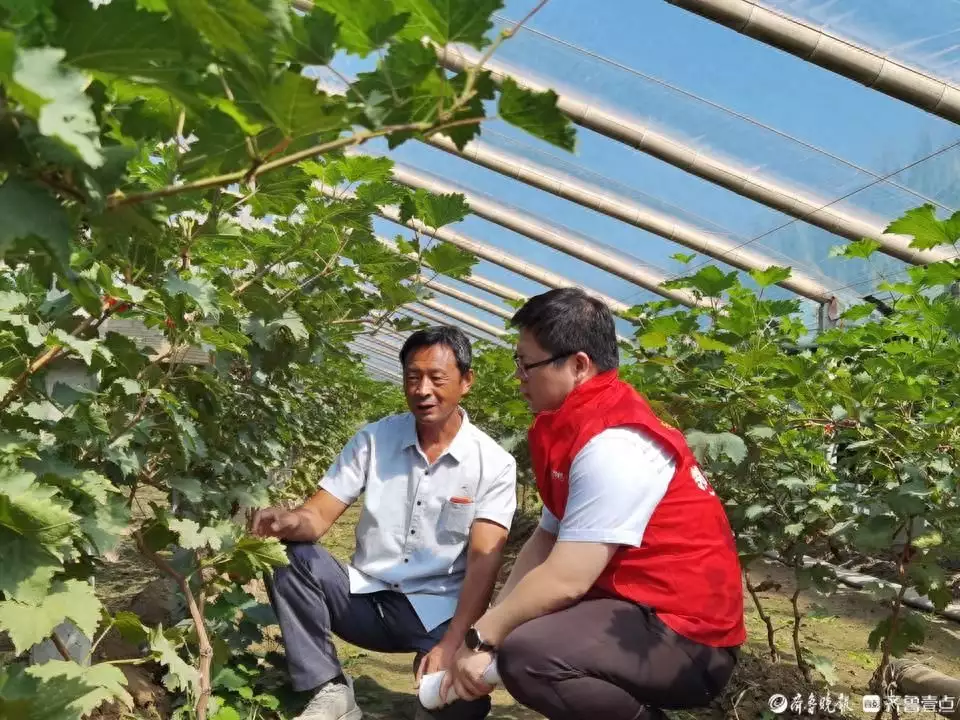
x=439, y=658
x=275, y=522
x=465, y=675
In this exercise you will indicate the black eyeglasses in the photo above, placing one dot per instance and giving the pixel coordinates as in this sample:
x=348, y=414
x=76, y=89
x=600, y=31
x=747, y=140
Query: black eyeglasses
x=525, y=369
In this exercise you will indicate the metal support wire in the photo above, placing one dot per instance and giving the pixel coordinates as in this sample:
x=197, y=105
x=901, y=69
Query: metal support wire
x=843, y=57
x=631, y=132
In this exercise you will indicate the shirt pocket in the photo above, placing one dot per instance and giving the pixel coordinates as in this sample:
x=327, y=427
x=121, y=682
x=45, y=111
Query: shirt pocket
x=455, y=520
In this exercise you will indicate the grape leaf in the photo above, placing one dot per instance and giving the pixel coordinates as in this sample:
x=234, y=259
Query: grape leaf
x=365, y=25
x=434, y=210
x=863, y=248
x=33, y=510
x=365, y=168
x=927, y=231
x=105, y=527
x=27, y=568
x=313, y=38
x=537, y=113
x=83, y=348
x=449, y=260
x=711, y=281
x=247, y=30
x=771, y=276
x=28, y=624
x=450, y=22
x=29, y=211
x=106, y=682
x=293, y=104
x=709, y=344
x=200, y=290
x=120, y=39
x=193, y=537
x=407, y=86
x=23, y=12
x=180, y=675
x=54, y=94
x=24, y=697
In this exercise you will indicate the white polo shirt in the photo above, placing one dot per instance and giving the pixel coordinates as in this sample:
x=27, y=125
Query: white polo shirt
x=616, y=482
x=415, y=522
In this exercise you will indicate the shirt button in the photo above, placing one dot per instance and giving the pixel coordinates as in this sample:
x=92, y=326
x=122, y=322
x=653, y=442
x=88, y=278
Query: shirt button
x=419, y=503
x=413, y=532
x=406, y=560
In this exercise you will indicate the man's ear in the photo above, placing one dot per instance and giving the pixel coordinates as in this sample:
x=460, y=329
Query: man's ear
x=466, y=380
x=582, y=365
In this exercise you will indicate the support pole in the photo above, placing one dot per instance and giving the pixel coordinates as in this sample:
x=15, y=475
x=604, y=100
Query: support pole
x=716, y=170
x=833, y=53
x=549, y=235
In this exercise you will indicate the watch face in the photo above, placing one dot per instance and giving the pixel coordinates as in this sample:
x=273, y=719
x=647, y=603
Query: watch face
x=472, y=640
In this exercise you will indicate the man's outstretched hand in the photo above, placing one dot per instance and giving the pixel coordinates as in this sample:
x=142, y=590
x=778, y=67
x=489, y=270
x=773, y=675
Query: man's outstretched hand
x=275, y=522
x=439, y=658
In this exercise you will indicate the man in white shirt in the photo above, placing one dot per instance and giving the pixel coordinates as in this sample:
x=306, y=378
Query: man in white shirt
x=439, y=497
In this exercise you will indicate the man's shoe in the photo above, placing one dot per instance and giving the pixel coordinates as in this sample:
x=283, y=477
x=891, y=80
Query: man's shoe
x=334, y=701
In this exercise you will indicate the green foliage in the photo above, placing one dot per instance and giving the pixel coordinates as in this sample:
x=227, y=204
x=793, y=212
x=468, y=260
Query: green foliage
x=178, y=295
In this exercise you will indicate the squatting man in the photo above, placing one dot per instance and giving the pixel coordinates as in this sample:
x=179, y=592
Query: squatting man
x=438, y=499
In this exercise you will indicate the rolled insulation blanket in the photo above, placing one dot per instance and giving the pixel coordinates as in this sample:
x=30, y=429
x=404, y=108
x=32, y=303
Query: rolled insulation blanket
x=914, y=679
x=430, y=687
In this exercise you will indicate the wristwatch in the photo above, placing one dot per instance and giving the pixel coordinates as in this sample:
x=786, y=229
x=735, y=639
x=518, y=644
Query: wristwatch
x=474, y=642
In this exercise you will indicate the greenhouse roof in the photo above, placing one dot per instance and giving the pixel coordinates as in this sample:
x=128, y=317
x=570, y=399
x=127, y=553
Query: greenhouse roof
x=751, y=134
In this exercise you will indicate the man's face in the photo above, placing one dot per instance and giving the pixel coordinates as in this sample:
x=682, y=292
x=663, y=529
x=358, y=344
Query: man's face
x=544, y=387
x=433, y=384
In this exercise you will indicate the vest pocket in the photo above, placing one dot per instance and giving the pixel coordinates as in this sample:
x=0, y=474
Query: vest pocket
x=455, y=521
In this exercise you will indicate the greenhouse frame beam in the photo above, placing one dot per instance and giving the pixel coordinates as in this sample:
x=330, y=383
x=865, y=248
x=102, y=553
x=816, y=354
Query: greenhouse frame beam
x=380, y=344
x=478, y=281
x=493, y=255
x=371, y=351
x=382, y=371
x=436, y=316
x=546, y=234
x=506, y=315
x=716, y=170
x=465, y=297
x=843, y=57
x=463, y=317
x=625, y=209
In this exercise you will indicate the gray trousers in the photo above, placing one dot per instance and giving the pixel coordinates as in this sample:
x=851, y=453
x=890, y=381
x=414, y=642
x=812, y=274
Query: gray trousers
x=312, y=600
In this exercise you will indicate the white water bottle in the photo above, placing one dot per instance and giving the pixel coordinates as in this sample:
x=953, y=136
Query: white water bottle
x=430, y=687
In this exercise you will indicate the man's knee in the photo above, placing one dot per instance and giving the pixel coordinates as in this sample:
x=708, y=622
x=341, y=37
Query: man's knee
x=519, y=661
x=309, y=563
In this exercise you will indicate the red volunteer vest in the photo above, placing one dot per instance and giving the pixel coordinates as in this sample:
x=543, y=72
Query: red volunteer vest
x=687, y=568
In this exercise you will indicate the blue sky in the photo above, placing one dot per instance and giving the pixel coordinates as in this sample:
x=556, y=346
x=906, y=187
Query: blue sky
x=863, y=127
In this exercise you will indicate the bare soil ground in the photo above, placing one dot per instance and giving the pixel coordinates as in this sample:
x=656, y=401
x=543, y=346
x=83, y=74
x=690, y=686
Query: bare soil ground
x=836, y=627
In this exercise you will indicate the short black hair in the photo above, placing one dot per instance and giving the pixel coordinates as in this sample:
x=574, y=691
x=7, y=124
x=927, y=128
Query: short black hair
x=568, y=320
x=448, y=335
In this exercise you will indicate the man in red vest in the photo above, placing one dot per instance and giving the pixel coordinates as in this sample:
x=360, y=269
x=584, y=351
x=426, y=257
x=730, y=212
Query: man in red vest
x=627, y=598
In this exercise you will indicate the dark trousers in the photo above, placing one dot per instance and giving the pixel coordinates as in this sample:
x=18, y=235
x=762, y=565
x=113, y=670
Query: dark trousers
x=610, y=659
x=312, y=599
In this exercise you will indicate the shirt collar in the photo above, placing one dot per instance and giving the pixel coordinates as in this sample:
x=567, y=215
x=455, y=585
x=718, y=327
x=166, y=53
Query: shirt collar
x=457, y=449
